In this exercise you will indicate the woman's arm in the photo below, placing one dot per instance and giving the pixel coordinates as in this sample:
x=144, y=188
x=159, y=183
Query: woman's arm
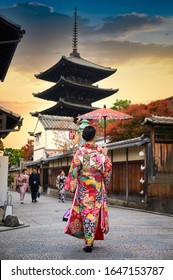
x=72, y=178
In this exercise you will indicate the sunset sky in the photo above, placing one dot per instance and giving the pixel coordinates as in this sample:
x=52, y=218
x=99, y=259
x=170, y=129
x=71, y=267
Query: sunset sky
x=135, y=37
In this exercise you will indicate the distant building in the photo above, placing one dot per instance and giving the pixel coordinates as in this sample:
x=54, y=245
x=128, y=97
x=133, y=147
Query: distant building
x=53, y=135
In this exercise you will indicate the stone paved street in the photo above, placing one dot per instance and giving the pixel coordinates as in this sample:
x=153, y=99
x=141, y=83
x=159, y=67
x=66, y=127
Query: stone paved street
x=133, y=234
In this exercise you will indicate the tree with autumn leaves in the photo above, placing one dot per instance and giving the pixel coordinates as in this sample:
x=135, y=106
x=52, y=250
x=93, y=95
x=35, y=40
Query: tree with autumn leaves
x=28, y=150
x=126, y=129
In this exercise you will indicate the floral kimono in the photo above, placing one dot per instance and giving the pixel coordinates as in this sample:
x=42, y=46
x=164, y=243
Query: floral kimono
x=88, y=180
x=60, y=181
x=23, y=181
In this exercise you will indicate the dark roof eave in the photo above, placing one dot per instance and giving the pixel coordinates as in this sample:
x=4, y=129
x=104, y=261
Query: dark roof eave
x=46, y=160
x=46, y=74
x=129, y=143
x=58, y=156
x=9, y=45
x=153, y=123
x=13, y=169
x=158, y=120
x=69, y=105
x=33, y=163
x=44, y=94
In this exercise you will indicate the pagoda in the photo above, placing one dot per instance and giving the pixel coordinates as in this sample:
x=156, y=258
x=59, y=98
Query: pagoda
x=74, y=77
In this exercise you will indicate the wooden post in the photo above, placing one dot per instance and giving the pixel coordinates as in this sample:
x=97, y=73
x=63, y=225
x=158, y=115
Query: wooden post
x=127, y=175
x=104, y=129
x=112, y=175
x=146, y=172
x=152, y=133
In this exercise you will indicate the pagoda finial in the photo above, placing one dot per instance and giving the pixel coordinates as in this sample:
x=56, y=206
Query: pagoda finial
x=75, y=36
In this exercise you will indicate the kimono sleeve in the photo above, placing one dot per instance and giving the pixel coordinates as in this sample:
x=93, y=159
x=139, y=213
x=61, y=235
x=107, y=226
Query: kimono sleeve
x=19, y=180
x=107, y=172
x=72, y=178
x=57, y=182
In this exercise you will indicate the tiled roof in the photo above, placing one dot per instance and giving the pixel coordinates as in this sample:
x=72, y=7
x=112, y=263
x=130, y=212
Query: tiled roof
x=57, y=122
x=158, y=120
x=84, y=62
x=134, y=142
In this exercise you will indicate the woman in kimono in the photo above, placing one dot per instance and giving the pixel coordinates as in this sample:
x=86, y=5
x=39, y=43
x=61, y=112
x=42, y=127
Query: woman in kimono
x=88, y=181
x=23, y=182
x=60, y=181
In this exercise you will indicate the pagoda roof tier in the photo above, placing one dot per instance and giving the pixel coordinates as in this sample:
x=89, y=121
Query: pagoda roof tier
x=72, y=91
x=76, y=67
x=64, y=108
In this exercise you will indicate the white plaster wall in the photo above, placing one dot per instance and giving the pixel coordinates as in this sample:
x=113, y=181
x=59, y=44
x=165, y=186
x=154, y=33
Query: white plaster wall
x=3, y=179
x=55, y=137
x=49, y=140
x=38, y=154
x=133, y=154
x=39, y=129
x=39, y=146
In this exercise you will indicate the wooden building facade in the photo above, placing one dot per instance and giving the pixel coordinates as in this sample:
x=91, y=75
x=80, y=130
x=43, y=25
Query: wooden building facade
x=126, y=159
x=142, y=169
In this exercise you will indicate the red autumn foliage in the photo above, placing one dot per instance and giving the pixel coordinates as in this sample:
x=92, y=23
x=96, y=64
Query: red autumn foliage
x=28, y=150
x=126, y=129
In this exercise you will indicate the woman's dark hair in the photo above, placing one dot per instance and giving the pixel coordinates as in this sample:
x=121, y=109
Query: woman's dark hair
x=88, y=133
x=24, y=170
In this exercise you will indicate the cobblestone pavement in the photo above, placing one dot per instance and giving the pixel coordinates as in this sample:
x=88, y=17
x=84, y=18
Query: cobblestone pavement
x=133, y=235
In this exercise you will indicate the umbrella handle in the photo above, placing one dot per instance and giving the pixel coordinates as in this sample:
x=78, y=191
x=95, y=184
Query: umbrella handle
x=104, y=129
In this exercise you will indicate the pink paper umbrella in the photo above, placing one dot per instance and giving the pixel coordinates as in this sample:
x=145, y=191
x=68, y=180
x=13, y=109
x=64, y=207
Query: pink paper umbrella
x=105, y=114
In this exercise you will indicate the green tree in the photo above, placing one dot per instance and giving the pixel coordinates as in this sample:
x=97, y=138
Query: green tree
x=121, y=104
x=15, y=156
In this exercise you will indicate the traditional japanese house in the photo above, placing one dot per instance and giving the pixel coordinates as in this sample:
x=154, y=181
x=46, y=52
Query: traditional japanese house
x=10, y=36
x=160, y=189
x=52, y=135
x=74, y=78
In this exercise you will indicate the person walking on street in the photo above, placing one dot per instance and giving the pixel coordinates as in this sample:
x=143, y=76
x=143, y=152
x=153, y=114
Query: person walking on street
x=60, y=181
x=34, y=183
x=23, y=182
x=88, y=180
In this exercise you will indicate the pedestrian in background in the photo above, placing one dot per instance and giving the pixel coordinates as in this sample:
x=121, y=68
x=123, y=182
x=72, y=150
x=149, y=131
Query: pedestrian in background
x=34, y=183
x=88, y=180
x=23, y=183
x=60, y=182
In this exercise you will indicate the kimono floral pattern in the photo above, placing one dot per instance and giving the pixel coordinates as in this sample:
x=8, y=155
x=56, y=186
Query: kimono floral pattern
x=88, y=180
x=60, y=181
